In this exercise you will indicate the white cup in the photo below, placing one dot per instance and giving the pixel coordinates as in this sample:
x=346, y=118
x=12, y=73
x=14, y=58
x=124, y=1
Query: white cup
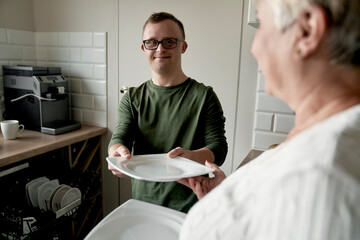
x=11, y=128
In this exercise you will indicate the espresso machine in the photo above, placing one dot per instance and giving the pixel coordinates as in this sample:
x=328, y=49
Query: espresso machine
x=38, y=98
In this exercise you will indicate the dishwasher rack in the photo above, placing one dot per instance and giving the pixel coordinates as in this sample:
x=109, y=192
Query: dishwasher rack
x=78, y=165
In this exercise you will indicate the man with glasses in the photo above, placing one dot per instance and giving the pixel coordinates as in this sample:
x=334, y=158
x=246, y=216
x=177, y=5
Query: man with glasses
x=171, y=113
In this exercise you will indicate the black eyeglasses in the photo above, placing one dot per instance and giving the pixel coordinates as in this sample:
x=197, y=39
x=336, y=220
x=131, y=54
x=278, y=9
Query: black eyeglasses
x=168, y=43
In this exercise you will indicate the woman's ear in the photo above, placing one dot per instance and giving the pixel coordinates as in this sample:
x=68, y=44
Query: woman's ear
x=184, y=47
x=313, y=23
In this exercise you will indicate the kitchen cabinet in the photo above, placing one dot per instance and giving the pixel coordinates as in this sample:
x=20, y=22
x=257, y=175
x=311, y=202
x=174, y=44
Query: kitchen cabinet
x=74, y=159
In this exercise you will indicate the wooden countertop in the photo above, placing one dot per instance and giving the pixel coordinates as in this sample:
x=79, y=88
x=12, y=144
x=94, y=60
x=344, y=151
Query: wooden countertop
x=251, y=155
x=31, y=143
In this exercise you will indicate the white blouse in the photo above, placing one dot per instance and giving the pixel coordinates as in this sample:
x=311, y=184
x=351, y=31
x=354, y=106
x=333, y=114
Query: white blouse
x=306, y=188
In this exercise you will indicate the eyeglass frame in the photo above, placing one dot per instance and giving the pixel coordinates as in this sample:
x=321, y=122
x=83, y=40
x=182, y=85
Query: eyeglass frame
x=161, y=42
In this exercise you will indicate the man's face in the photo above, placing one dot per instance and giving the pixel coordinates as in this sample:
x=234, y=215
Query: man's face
x=163, y=60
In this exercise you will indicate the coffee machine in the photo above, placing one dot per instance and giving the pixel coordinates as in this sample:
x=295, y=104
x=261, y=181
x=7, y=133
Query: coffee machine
x=38, y=98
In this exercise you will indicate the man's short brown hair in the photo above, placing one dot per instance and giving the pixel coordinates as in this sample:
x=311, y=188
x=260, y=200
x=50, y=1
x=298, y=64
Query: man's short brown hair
x=161, y=16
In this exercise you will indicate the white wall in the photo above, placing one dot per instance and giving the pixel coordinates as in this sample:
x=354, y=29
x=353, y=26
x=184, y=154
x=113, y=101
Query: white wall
x=17, y=14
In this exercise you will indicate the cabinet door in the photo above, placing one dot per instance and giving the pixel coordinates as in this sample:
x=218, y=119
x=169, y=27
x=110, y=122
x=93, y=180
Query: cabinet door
x=213, y=33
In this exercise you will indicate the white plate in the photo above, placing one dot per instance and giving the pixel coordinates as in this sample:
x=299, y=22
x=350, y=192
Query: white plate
x=27, y=187
x=33, y=190
x=56, y=200
x=44, y=193
x=136, y=220
x=158, y=167
x=53, y=194
x=70, y=196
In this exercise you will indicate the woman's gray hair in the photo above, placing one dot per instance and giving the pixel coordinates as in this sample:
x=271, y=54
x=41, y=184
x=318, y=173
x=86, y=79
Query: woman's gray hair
x=344, y=25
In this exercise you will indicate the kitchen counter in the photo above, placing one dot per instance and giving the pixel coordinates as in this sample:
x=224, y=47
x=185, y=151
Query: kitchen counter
x=251, y=156
x=32, y=143
x=77, y=161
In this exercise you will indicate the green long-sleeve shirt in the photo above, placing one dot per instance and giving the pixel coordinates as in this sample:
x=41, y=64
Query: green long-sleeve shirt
x=154, y=119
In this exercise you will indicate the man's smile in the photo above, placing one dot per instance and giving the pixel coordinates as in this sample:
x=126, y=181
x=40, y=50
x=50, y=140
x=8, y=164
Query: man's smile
x=161, y=57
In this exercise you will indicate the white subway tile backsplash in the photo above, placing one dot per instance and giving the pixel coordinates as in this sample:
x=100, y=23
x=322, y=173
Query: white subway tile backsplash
x=29, y=53
x=93, y=55
x=3, y=37
x=95, y=118
x=94, y=87
x=262, y=140
x=100, y=40
x=58, y=54
x=65, y=69
x=264, y=121
x=22, y=62
x=283, y=123
x=81, y=57
x=63, y=39
x=266, y=103
x=100, y=72
x=48, y=64
x=21, y=37
x=82, y=70
x=10, y=52
x=82, y=101
x=41, y=54
x=77, y=115
x=81, y=39
x=75, y=85
x=75, y=54
x=46, y=39
x=100, y=103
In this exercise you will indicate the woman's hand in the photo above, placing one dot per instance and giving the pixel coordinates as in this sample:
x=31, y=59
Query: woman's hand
x=202, y=185
x=118, y=150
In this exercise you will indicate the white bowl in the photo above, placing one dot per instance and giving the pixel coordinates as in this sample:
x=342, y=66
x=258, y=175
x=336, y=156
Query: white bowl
x=136, y=220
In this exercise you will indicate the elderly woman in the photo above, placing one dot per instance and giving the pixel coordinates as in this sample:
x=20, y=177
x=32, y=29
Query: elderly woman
x=309, y=186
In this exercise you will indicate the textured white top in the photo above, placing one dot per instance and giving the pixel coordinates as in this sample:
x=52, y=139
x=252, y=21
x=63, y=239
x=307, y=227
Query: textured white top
x=307, y=188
